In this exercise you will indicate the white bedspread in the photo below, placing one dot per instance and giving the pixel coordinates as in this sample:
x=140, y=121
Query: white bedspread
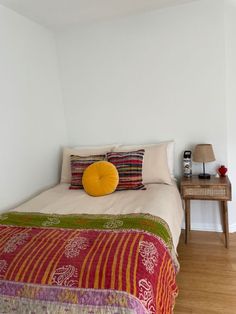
x=159, y=200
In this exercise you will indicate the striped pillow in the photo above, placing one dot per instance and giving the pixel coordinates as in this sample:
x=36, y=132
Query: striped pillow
x=78, y=165
x=129, y=166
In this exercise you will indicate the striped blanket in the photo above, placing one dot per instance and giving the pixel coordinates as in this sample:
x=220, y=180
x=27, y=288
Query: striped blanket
x=86, y=264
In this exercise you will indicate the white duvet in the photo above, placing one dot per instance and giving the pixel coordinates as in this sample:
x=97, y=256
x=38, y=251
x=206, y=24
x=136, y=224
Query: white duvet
x=158, y=199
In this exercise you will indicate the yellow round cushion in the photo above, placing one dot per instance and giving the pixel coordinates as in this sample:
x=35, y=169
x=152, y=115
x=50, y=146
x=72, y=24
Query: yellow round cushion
x=100, y=178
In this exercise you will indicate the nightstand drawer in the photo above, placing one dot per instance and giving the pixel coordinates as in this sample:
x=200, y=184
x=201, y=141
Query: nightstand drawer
x=205, y=192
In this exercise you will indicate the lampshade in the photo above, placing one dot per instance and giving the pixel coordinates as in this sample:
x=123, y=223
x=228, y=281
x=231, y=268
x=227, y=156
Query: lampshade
x=203, y=153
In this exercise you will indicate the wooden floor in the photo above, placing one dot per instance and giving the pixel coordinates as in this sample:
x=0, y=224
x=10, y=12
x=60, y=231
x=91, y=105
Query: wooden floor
x=207, y=277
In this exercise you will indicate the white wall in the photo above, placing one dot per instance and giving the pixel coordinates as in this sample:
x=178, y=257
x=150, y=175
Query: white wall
x=230, y=31
x=168, y=74
x=32, y=124
x=151, y=77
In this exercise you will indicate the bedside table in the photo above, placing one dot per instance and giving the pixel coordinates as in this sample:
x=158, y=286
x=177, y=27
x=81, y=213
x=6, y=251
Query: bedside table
x=214, y=189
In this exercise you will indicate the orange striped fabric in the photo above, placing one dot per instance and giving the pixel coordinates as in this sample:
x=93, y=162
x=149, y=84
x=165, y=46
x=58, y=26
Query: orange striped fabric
x=132, y=261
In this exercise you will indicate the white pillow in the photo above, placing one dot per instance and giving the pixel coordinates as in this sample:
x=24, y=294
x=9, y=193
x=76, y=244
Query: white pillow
x=171, y=157
x=158, y=162
x=79, y=151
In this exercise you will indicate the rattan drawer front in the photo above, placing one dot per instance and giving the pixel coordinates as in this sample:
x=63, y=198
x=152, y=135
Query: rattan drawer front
x=205, y=192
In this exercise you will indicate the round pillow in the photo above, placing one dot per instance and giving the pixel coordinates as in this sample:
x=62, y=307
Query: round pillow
x=100, y=178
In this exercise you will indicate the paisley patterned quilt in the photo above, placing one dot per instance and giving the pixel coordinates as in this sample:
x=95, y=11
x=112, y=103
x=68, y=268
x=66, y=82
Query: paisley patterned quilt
x=91, y=264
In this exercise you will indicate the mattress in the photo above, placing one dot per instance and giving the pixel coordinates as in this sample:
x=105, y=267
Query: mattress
x=158, y=199
x=66, y=252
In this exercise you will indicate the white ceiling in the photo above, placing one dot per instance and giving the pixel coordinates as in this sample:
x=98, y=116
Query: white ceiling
x=61, y=13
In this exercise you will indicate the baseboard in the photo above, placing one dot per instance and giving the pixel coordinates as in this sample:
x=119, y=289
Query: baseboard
x=206, y=227
x=211, y=227
x=232, y=228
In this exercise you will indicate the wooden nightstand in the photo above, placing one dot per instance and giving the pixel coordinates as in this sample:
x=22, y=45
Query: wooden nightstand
x=216, y=189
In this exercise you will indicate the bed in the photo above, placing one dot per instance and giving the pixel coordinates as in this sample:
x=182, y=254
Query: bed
x=67, y=252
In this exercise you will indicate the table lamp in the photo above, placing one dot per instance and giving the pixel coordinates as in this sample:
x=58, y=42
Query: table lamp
x=203, y=153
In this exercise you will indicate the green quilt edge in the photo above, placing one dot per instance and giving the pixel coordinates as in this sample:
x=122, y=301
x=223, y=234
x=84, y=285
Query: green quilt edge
x=145, y=222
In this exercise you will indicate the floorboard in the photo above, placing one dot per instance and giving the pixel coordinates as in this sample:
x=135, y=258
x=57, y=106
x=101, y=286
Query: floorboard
x=207, y=277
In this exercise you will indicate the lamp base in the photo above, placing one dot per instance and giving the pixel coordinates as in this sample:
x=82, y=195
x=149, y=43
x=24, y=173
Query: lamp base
x=204, y=176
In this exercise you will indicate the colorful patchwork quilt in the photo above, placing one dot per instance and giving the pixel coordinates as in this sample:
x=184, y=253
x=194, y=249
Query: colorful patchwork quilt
x=88, y=264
